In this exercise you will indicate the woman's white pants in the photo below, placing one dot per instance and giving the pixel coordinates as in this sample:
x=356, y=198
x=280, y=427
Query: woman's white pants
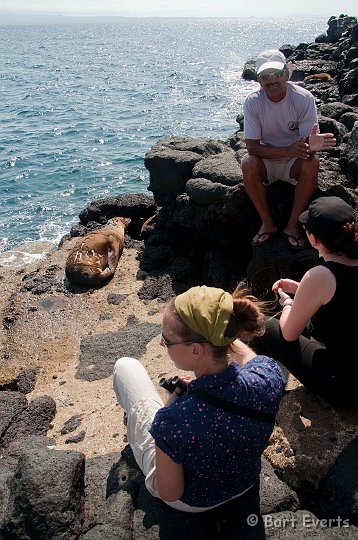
x=137, y=395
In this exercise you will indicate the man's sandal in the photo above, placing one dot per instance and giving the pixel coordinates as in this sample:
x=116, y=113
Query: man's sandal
x=269, y=235
x=296, y=239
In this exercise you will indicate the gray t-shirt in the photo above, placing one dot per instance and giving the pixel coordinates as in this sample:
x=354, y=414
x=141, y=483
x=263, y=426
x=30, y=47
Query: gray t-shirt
x=283, y=123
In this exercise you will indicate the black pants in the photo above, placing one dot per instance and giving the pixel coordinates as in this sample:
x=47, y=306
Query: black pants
x=229, y=521
x=307, y=360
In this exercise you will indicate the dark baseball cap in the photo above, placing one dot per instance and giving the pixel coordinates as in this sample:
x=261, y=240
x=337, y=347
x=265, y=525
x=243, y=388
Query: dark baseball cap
x=326, y=215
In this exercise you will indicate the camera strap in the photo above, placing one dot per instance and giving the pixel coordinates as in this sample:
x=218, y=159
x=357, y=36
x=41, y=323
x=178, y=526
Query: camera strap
x=227, y=406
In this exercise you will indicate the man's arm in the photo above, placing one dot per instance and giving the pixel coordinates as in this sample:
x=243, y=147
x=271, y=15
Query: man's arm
x=299, y=149
x=304, y=148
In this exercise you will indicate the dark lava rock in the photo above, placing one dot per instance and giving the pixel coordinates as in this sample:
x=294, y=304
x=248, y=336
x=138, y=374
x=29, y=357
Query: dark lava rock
x=339, y=490
x=204, y=192
x=329, y=125
x=275, y=495
x=170, y=163
x=46, y=496
x=41, y=284
x=352, y=150
x=138, y=207
x=349, y=119
x=335, y=110
x=276, y=259
x=116, y=299
x=27, y=380
x=105, y=317
x=223, y=168
x=34, y=420
x=76, y=438
x=97, y=480
x=160, y=287
x=71, y=424
x=12, y=405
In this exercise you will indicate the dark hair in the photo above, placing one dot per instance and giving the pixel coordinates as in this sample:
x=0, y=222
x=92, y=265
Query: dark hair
x=246, y=321
x=344, y=242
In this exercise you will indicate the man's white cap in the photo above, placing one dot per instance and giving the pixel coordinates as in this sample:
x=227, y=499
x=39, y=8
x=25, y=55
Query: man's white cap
x=271, y=59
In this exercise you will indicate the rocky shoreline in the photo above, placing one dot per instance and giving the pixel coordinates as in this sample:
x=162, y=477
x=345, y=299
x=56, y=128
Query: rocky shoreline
x=65, y=469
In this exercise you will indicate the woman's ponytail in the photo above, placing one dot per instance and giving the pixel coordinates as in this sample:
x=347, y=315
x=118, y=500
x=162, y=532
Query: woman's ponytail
x=248, y=318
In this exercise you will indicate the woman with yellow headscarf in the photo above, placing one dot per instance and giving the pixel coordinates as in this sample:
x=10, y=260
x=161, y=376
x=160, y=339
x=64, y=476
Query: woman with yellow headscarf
x=203, y=447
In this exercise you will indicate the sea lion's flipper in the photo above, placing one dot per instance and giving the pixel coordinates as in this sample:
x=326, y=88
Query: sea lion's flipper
x=107, y=272
x=113, y=253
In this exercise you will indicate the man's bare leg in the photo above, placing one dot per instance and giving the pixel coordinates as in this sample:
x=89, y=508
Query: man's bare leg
x=305, y=171
x=254, y=173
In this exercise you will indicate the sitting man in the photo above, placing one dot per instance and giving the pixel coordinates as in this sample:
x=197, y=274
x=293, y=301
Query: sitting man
x=282, y=137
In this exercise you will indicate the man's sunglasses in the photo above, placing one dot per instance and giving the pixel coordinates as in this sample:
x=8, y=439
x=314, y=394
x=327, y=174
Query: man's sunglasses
x=274, y=75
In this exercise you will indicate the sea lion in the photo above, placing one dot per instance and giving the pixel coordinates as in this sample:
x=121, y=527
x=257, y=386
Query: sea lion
x=319, y=77
x=94, y=258
x=147, y=227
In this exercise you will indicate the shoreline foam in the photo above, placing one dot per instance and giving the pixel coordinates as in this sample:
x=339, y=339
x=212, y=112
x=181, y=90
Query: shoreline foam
x=26, y=253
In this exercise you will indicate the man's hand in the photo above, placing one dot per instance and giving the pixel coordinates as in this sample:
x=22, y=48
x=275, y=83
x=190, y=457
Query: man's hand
x=299, y=149
x=320, y=141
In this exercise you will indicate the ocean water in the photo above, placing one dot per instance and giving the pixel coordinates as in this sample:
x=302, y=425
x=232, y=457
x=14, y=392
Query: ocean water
x=81, y=104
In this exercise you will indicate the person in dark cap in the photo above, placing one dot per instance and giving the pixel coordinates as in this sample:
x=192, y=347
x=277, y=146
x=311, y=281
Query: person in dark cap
x=196, y=455
x=282, y=138
x=323, y=304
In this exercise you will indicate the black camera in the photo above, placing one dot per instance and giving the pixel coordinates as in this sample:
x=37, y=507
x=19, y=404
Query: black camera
x=172, y=383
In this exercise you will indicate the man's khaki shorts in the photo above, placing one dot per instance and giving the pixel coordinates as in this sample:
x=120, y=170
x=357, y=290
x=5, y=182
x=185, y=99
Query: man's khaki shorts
x=279, y=170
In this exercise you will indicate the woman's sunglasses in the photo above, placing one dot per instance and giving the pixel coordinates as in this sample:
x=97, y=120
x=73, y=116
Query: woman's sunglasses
x=168, y=343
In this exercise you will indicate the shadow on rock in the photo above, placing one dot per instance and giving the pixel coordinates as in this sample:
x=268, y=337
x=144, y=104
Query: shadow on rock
x=130, y=505
x=317, y=433
x=100, y=352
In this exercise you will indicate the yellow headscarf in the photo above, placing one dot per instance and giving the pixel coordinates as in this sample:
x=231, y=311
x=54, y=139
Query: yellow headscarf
x=207, y=311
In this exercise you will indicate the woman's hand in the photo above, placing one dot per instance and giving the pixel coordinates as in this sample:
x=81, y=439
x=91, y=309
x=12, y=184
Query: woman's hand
x=240, y=352
x=172, y=397
x=283, y=297
x=286, y=285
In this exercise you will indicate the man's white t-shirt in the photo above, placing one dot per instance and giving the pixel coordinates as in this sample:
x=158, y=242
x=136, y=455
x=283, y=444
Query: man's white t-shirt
x=283, y=123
